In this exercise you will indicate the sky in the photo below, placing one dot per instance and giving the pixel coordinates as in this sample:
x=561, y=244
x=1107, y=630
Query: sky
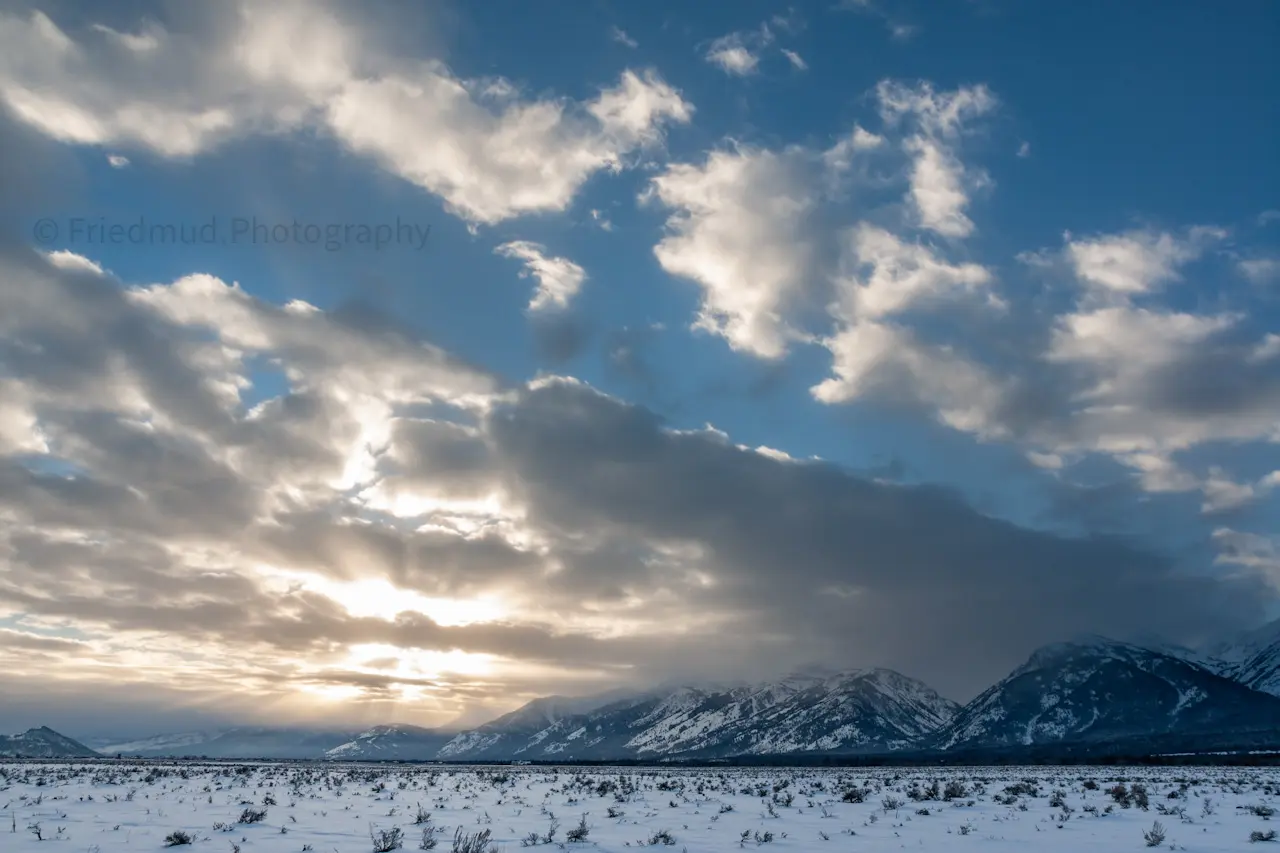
x=403, y=362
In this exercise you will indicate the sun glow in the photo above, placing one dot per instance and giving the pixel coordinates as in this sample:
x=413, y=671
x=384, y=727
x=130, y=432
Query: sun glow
x=381, y=599
x=422, y=663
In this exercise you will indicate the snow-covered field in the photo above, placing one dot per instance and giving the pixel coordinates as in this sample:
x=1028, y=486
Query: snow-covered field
x=106, y=807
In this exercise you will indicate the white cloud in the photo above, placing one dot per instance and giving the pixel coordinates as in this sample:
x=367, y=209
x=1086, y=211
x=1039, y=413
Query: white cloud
x=885, y=275
x=1124, y=345
x=1260, y=270
x=740, y=231
x=738, y=54
x=1024, y=150
x=429, y=130
x=1260, y=554
x=870, y=358
x=601, y=220
x=732, y=56
x=1159, y=473
x=1136, y=262
x=559, y=279
x=940, y=184
x=1268, y=349
x=797, y=62
x=117, y=161
x=283, y=66
x=840, y=156
x=938, y=188
x=938, y=114
x=620, y=36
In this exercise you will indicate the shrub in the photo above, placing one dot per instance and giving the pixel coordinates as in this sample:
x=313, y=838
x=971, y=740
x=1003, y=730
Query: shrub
x=471, y=843
x=252, y=815
x=1154, y=836
x=579, y=832
x=1258, y=835
x=177, y=838
x=386, y=840
x=662, y=836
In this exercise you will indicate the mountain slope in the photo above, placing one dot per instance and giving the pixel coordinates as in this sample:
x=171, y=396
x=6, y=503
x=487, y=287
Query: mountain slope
x=1252, y=658
x=234, y=743
x=860, y=711
x=391, y=743
x=43, y=742
x=1096, y=690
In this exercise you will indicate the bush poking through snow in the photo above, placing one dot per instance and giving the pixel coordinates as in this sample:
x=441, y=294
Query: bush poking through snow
x=386, y=840
x=177, y=838
x=478, y=842
x=253, y=815
x=579, y=832
x=662, y=836
x=1154, y=836
x=1258, y=835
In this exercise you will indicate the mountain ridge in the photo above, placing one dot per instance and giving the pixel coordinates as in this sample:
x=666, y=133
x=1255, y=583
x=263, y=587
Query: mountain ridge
x=1086, y=691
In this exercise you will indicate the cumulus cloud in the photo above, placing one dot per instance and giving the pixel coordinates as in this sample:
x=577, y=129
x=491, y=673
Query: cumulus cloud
x=276, y=68
x=495, y=540
x=732, y=56
x=1136, y=262
x=742, y=231
x=1099, y=363
x=559, y=279
x=940, y=183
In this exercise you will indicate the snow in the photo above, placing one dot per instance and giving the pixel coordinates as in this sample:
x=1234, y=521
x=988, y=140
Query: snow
x=114, y=807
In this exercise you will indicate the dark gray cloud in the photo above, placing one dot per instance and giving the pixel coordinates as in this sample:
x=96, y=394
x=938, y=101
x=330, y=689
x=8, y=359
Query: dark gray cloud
x=923, y=582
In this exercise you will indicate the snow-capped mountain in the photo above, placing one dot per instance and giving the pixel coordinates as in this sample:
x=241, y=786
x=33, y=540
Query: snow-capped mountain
x=861, y=711
x=43, y=742
x=174, y=744
x=1252, y=658
x=396, y=743
x=233, y=743
x=1097, y=690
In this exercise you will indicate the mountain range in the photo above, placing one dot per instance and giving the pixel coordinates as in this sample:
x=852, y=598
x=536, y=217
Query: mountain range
x=1091, y=693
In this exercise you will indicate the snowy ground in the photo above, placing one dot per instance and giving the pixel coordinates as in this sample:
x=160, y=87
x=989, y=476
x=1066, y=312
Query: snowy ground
x=106, y=807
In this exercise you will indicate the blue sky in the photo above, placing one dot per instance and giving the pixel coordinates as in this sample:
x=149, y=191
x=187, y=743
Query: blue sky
x=1019, y=258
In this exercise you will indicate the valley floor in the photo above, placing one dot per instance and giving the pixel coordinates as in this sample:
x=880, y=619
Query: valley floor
x=102, y=807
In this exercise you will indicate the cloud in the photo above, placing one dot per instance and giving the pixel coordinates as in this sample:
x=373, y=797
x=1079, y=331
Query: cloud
x=1260, y=270
x=797, y=62
x=497, y=540
x=898, y=30
x=733, y=56
x=620, y=36
x=1257, y=555
x=742, y=229
x=738, y=54
x=1138, y=261
x=940, y=184
x=280, y=68
x=559, y=279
